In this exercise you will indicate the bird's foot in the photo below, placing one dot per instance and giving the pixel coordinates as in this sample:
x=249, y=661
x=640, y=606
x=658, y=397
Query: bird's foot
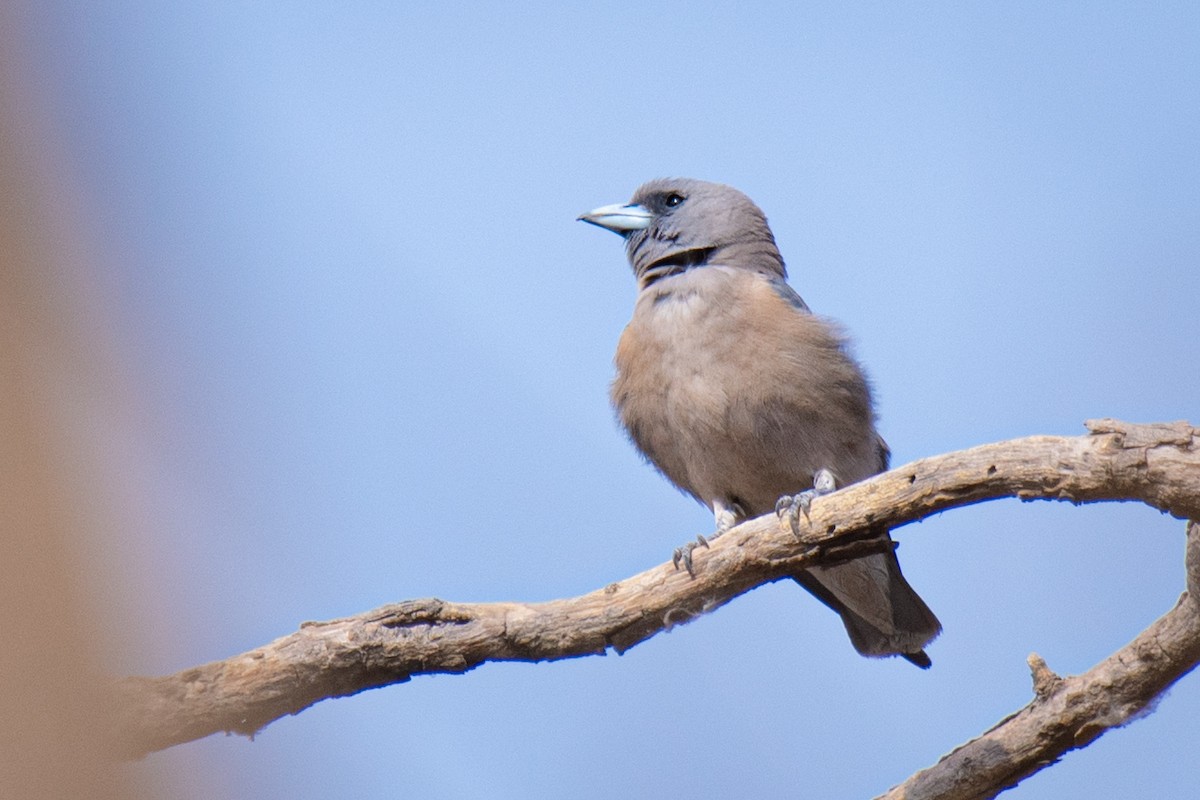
x=789, y=507
x=726, y=516
x=683, y=555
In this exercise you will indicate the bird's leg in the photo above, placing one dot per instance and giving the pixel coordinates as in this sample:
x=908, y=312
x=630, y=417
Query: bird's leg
x=727, y=516
x=790, y=507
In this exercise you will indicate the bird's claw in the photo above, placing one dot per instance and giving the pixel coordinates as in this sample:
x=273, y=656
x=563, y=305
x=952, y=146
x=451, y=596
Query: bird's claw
x=728, y=514
x=683, y=555
x=790, y=507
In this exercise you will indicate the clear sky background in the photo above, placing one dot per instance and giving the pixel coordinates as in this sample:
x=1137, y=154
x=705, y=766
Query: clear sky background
x=372, y=345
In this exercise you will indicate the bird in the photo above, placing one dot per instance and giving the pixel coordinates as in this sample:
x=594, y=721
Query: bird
x=745, y=399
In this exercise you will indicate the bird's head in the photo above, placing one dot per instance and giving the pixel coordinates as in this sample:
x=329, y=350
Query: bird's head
x=675, y=224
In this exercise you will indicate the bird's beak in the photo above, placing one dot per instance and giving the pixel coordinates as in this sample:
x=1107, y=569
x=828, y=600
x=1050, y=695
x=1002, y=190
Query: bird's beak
x=618, y=218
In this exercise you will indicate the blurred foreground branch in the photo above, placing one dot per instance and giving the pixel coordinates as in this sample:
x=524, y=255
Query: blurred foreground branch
x=1156, y=464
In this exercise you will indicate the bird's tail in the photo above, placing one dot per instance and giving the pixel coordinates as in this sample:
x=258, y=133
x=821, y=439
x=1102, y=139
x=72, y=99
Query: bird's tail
x=883, y=615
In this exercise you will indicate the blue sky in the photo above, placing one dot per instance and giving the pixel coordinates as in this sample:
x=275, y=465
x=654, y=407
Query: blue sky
x=370, y=346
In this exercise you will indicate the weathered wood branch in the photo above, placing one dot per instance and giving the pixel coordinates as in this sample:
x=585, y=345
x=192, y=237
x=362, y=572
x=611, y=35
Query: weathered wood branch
x=1156, y=464
x=1069, y=713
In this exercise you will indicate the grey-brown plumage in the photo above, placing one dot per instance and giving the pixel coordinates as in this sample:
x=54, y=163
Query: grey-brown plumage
x=730, y=386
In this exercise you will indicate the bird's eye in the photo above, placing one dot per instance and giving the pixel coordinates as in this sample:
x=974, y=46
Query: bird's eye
x=673, y=199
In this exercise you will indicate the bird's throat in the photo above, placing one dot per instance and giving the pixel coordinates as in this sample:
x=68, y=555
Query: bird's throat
x=674, y=264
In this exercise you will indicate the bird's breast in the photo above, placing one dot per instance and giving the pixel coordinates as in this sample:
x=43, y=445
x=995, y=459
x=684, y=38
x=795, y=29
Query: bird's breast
x=730, y=390
x=685, y=340
x=681, y=368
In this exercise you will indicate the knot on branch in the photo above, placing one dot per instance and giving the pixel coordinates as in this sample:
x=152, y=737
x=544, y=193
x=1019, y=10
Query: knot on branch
x=1045, y=680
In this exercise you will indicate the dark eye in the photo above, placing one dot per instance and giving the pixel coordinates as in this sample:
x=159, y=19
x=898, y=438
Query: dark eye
x=673, y=199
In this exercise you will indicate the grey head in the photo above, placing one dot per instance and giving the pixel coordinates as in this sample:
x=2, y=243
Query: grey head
x=675, y=224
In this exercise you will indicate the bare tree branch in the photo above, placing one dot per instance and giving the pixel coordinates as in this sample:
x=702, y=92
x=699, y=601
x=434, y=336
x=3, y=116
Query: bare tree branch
x=1156, y=464
x=1073, y=712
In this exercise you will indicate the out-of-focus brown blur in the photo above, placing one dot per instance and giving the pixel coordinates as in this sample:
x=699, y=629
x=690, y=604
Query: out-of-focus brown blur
x=54, y=732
